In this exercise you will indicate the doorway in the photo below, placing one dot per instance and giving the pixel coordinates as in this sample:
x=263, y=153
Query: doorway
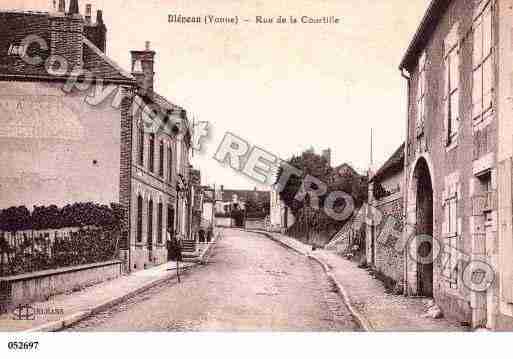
x=424, y=230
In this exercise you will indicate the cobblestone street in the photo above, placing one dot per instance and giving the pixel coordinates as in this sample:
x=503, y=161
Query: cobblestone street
x=250, y=283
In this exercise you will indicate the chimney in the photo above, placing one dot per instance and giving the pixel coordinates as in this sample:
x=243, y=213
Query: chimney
x=96, y=33
x=326, y=154
x=67, y=35
x=88, y=14
x=62, y=6
x=143, y=69
x=73, y=7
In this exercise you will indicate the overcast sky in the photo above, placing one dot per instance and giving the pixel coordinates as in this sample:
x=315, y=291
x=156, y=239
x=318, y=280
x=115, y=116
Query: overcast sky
x=282, y=87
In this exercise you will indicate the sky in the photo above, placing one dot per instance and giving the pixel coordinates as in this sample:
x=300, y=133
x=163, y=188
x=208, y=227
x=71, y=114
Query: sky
x=282, y=87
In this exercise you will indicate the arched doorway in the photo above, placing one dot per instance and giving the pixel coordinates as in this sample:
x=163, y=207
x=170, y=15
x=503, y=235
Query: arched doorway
x=424, y=229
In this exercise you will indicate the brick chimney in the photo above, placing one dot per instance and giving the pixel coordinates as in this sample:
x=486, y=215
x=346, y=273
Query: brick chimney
x=67, y=31
x=73, y=7
x=62, y=6
x=143, y=69
x=88, y=14
x=96, y=32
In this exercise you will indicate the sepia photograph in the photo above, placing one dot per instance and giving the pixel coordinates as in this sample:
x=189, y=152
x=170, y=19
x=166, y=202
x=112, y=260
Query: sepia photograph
x=321, y=169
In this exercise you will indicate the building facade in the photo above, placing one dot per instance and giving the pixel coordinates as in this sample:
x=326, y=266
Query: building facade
x=458, y=154
x=78, y=128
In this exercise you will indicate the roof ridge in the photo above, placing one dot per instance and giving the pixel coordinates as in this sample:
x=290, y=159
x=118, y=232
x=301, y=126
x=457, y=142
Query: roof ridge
x=107, y=59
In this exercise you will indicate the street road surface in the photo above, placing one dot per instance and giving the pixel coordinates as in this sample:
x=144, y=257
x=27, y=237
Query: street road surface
x=250, y=283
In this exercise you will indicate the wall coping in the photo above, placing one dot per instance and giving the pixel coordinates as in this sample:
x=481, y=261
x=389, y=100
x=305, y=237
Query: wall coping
x=51, y=272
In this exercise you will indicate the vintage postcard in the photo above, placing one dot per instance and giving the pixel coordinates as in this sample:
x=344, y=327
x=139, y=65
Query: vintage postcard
x=253, y=166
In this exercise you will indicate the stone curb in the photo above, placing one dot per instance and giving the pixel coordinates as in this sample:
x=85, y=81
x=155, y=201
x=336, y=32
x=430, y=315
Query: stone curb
x=81, y=315
x=357, y=315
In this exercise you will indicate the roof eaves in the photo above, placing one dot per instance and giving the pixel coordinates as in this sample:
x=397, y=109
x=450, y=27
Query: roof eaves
x=424, y=31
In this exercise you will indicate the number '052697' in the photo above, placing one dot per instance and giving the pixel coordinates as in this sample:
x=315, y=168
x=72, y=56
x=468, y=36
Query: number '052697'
x=23, y=345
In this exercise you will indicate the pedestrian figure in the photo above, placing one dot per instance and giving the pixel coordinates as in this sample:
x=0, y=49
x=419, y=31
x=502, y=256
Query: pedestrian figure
x=174, y=251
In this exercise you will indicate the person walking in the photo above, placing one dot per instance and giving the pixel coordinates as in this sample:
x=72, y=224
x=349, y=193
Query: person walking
x=174, y=251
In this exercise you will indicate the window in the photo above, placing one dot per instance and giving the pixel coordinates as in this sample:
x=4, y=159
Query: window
x=140, y=150
x=482, y=85
x=159, y=223
x=451, y=215
x=451, y=233
x=151, y=162
x=421, y=95
x=139, y=218
x=150, y=221
x=170, y=164
x=178, y=156
x=451, y=80
x=161, y=158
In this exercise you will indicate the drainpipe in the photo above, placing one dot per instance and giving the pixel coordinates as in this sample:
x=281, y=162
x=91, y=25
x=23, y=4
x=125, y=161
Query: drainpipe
x=407, y=77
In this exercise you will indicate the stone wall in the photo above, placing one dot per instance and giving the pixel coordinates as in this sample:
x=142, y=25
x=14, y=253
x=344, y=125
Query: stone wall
x=39, y=286
x=387, y=260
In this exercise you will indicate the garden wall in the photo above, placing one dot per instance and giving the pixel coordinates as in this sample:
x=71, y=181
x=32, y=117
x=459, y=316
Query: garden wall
x=39, y=286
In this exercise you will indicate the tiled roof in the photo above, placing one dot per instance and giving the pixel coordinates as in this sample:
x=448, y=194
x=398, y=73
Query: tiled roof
x=393, y=165
x=17, y=25
x=101, y=66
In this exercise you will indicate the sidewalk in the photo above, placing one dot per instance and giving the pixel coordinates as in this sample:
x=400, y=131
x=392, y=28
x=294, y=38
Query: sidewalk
x=74, y=307
x=366, y=298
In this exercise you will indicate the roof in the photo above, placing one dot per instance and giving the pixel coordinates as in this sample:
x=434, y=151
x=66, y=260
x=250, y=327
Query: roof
x=423, y=34
x=17, y=25
x=394, y=164
x=102, y=66
x=347, y=166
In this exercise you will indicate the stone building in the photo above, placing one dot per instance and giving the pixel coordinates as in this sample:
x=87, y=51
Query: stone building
x=458, y=160
x=75, y=128
x=386, y=196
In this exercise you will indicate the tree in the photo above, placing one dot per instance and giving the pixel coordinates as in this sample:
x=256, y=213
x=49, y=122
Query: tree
x=308, y=163
x=15, y=219
x=257, y=207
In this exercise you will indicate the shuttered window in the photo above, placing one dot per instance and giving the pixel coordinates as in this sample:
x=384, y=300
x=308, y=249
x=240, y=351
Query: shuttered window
x=421, y=94
x=482, y=77
x=451, y=97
